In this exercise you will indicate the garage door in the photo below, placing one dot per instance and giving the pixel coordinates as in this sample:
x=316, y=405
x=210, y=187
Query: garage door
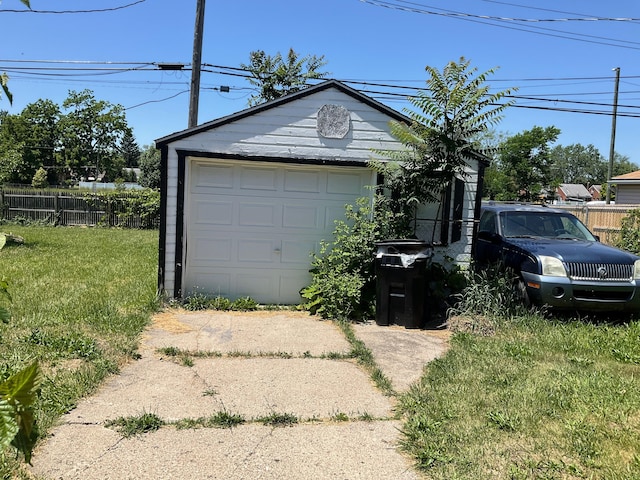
x=252, y=225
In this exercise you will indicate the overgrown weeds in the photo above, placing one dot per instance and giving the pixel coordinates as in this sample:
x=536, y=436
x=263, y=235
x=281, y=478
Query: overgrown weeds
x=202, y=301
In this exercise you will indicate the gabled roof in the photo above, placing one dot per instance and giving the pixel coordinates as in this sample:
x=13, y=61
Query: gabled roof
x=574, y=190
x=282, y=101
x=633, y=177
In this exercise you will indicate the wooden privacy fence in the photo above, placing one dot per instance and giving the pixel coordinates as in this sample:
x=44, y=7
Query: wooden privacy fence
x=603, y=220
x=74, y=208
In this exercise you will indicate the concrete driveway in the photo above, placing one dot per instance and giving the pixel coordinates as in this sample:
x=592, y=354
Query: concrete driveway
x=255, y=365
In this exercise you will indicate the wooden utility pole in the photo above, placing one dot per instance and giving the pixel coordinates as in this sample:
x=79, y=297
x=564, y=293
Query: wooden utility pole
x=613, y=135
x=195, y=65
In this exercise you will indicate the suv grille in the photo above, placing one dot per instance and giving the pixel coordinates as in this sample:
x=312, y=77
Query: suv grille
x=604, y=272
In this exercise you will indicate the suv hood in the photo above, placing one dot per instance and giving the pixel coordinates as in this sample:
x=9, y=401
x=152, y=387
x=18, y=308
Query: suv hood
x=569, y=250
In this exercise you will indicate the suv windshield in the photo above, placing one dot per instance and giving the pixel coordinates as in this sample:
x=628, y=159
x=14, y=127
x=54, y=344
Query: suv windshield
x=543, y=224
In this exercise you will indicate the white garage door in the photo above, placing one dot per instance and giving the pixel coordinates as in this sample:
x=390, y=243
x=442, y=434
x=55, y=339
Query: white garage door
x=250, y=227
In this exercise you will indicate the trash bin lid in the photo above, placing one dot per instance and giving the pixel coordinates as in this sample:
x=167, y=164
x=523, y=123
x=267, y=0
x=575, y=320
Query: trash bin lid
x=398, y=246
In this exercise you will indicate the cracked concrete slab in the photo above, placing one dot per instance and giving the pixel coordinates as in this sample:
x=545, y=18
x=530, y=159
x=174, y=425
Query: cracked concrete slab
x=259, y=363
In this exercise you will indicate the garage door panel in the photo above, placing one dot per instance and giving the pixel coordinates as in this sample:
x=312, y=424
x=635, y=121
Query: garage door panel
x=254, y=178
x=256, y=251
x=257, y=285
x=207, y=176
x=258, y=214
x=302, y=181
x=298, y=251
x=212, y=212
x=344, y=183
x=209, y=250
x=302, y=216
x=211, y=283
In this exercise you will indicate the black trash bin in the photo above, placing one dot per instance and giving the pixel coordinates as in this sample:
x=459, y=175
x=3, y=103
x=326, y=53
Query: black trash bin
x=401, y=282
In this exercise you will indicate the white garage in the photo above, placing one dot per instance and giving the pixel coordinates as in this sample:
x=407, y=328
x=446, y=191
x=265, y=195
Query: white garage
x=251, y=226
x=246, y=198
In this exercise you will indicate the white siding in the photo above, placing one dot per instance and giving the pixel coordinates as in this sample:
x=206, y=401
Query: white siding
x=289, y=131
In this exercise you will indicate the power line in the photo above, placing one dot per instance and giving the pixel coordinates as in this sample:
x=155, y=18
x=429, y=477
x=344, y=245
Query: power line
x=70, y=70
x=538, y=8
x=453, y=13
x=97, y=10
x=529, y=29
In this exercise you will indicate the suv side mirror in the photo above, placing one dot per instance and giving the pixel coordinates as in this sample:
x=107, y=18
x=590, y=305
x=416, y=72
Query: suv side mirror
x=488, y=236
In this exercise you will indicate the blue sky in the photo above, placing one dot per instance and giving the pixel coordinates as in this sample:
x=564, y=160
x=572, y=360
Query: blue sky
x=551, y=56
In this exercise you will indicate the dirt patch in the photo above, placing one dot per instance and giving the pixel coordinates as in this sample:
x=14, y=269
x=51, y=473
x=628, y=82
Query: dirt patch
x=169, y=322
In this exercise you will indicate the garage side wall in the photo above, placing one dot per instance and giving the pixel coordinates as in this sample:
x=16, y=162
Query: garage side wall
x=448, y=225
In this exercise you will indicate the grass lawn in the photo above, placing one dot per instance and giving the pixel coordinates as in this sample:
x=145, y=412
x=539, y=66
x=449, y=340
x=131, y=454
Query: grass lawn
x=539, y=399
x=80, y=299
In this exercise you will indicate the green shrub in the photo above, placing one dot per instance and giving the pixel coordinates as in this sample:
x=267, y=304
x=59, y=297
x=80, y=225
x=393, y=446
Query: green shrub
x=343, y=274
x=196, y=301
x=220, y=303
x=244, y=304
x=629, y=237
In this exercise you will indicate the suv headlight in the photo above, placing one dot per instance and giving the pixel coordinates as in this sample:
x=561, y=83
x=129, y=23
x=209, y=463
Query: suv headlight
x=553, y=266
x=636, y=270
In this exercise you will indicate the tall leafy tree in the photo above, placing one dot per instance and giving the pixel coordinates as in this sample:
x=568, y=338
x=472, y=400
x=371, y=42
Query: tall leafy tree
x=91, y=133
x=276, y=76
x=454, y=111
x=150, y=167
x=525, y=162
x=12, y=142
x=42, y=136
x=577, y=164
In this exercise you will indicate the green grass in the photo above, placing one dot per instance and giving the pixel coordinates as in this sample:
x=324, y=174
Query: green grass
x=80, y=299
x=542, y=398
x=136, y=425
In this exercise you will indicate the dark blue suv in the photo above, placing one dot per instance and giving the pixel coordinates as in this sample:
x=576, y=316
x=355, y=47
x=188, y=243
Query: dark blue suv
x=558, y=261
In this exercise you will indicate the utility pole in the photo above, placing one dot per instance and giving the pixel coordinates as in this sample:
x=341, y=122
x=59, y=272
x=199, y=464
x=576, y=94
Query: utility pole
x=195, y=65
x=613, y=134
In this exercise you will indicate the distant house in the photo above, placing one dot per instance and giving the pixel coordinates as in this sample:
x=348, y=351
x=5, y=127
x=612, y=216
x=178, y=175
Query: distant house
x=627, y=188
x=573, y=193
x=595, y=191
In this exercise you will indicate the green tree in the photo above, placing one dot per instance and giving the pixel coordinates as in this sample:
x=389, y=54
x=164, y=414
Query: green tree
x=10, y=161
x=150, y=167
x=130, y=150
x=12, y=145
x=524, y=159
x=276, y=77
x=622, y=164
x=40, y=179
x=42, y=135
x=454, y=112
x=35, y=130
x=577, y=164
x=91, y=133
